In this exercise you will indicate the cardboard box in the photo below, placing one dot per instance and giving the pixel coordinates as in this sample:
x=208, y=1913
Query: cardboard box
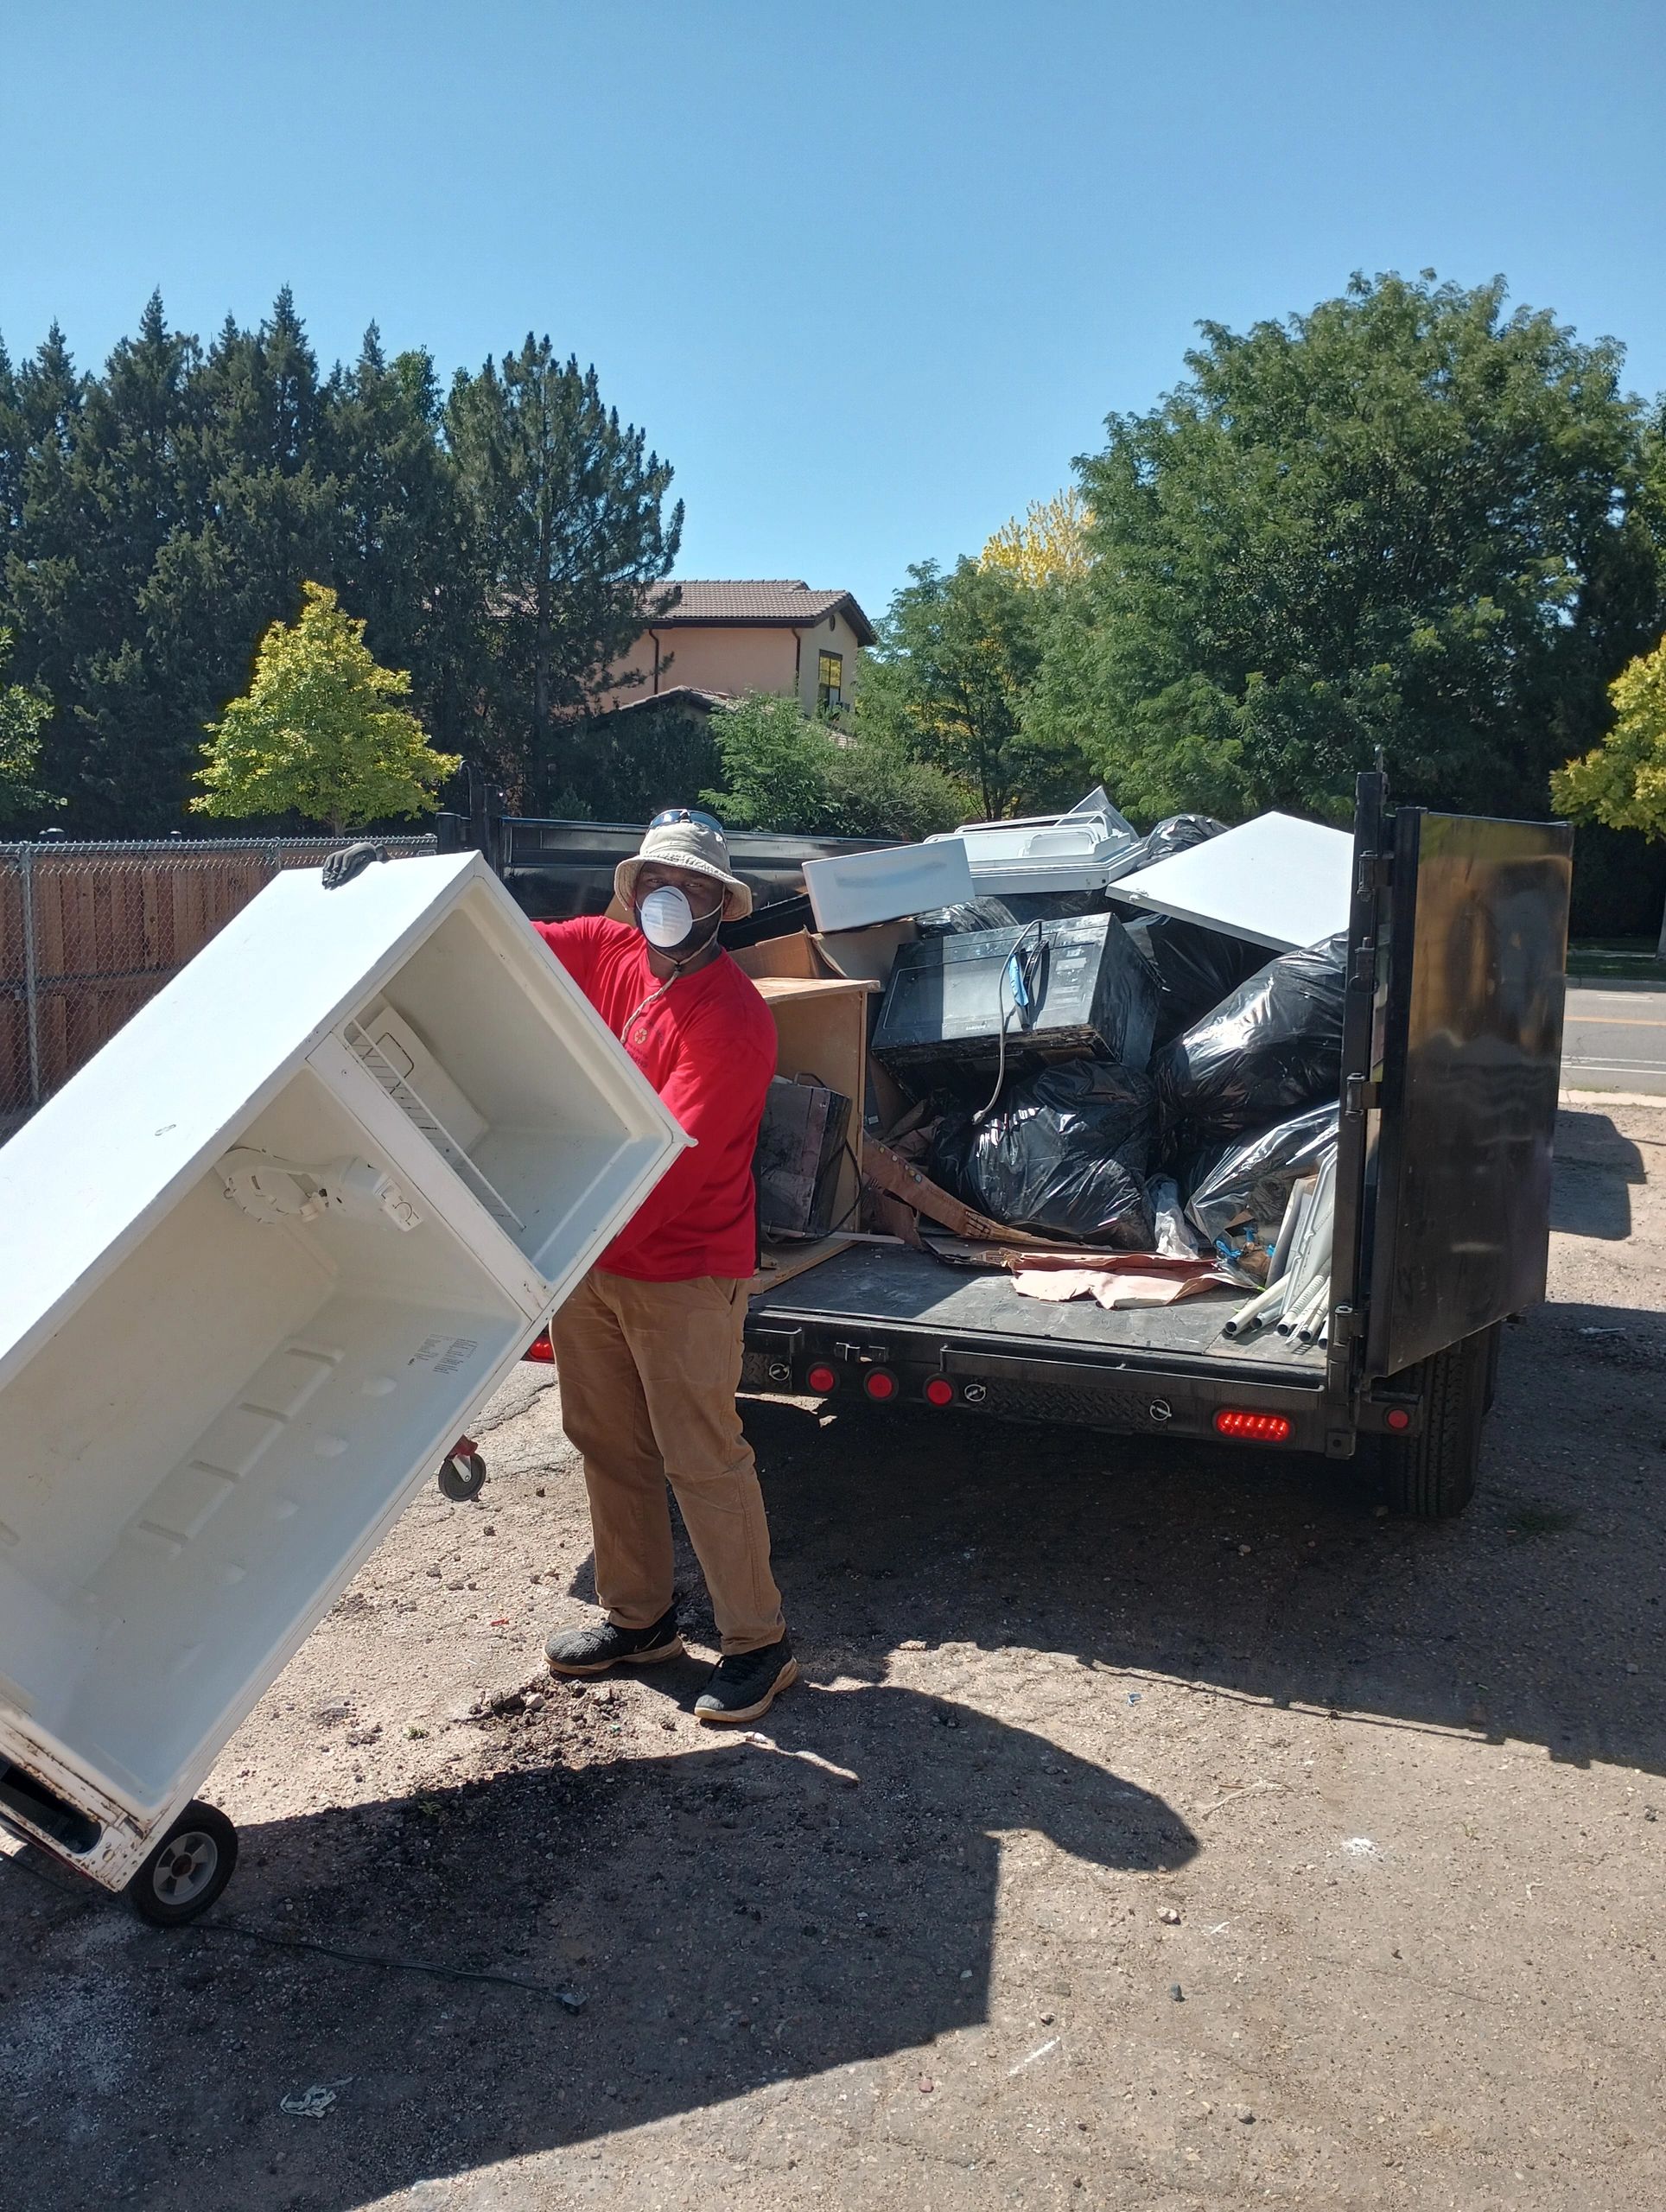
x=821, y=1028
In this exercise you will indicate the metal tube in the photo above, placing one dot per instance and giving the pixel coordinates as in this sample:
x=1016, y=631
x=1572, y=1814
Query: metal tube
x=1318, y=1225
x=1295, y=1315
x=1286, y=1229
x=1315, y=1316
x=1259, y=1308
x=1315, y=1263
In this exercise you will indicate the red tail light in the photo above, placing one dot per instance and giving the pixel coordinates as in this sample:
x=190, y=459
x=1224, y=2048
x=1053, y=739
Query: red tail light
x=939, y=1391
x=822, y=1379
x=879, y=1384
x=1251, y=1428
x=541, y=1349
x=1399, y=1418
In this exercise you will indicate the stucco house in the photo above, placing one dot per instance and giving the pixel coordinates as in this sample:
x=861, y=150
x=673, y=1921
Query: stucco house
x=729, y=638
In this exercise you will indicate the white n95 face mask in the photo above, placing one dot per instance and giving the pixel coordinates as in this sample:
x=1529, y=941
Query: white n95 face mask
x=665, y=918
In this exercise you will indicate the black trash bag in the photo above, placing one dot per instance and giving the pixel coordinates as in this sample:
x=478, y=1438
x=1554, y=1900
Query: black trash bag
x=1177, y=833
x=1196, y=967
x=1063, y=1155
x=1238, y=1191
x=1052, y=905
x=1272, y=1050
x=966, y=919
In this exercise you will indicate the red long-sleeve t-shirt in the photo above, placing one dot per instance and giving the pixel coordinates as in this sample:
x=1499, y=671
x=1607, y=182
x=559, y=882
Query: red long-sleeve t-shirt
x=707, y=1044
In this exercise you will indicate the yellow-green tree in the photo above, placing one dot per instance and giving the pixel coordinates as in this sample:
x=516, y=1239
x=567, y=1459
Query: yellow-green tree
x=318, y=733
x=1047, y=545
x=1622, y=780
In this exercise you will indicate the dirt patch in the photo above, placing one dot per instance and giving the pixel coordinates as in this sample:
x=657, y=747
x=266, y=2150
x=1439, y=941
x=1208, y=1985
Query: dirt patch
x=1214, y=1841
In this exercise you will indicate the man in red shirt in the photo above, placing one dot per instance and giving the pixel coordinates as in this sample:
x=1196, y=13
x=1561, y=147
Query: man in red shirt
x=648, y=1348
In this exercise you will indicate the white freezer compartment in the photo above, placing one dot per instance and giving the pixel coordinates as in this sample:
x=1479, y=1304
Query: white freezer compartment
x=532, y=1117
x=196, y=1464
x=857, y=890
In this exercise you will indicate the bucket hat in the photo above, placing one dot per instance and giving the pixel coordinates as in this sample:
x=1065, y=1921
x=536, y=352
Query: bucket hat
x=687, y=840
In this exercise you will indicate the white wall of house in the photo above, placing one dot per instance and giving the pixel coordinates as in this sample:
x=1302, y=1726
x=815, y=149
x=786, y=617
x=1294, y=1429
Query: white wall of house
x=832, y=634
x=743, y=656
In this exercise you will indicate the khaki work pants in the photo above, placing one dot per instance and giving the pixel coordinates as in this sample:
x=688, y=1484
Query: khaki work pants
x=648, y=1374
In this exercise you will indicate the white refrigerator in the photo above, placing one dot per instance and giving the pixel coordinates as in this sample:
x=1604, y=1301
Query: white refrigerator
x=260, y=1260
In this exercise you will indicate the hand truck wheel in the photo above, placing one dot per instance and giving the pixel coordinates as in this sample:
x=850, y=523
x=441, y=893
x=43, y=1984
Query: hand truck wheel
x=462, y=1471
x=188, y=1868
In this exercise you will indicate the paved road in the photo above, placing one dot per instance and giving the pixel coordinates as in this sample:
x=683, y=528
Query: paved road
x=1615, y=1040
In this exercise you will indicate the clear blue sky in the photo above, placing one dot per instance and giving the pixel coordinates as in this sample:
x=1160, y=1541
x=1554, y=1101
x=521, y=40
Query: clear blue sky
x=868, y=274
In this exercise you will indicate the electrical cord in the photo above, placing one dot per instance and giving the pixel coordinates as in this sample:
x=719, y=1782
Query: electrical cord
x=810, y=1075
x=569, y=2000
x=1002, y=1017
x=855, y=1206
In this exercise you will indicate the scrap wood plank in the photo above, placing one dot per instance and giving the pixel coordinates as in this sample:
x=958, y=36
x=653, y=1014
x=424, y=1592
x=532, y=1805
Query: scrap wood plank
x=781, y=1262
x=893, y=1175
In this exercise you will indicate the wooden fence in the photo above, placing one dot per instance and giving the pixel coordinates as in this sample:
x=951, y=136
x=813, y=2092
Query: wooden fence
x=89, y=932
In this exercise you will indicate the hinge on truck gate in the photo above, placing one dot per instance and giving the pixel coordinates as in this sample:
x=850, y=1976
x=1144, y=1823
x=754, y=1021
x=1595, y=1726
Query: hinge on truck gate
x=1345, y=1351
x=1375, y=873
x=1358, y=1092
x=863, y=1355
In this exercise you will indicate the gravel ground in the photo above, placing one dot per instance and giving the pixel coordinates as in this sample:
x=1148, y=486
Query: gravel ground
x=1179, y=1832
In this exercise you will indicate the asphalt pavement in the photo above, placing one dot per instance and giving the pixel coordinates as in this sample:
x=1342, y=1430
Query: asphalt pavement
x=1614, y=1040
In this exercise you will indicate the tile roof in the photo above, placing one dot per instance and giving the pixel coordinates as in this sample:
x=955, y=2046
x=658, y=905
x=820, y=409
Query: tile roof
x=770, y=598
x=696, y=697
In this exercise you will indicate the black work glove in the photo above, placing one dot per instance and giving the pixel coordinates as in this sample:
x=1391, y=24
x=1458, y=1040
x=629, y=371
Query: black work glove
x=352, y=860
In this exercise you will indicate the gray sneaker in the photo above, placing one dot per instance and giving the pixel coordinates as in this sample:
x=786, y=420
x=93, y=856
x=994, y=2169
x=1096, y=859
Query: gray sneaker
x=746, y=1683
x=593, y=1650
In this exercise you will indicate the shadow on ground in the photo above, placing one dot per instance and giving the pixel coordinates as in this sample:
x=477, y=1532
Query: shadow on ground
x=1596, y=1167
x=719, y=1920
x=733, y=1918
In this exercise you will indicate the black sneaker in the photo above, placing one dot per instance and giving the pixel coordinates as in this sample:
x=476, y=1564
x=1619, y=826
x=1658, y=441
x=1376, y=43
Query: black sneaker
x=593, y=1650
x=746, y=1683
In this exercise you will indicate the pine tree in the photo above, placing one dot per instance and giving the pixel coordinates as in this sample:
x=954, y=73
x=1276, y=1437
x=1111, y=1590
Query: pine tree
x=402, y=554
x=131, y=489
x=43, y=582
x=565, y=507
x=11, y=461
x=265, y=510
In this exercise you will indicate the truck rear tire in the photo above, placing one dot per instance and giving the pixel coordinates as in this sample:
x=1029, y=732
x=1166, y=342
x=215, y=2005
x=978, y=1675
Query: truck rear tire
x=1431, y=1476
x=1495, y=1339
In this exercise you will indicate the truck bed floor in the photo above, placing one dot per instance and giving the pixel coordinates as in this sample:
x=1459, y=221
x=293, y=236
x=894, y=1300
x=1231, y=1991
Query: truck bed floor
x=881, y=1284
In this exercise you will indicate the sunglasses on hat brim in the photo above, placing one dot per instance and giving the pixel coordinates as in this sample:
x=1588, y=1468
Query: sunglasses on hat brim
x=671, y=814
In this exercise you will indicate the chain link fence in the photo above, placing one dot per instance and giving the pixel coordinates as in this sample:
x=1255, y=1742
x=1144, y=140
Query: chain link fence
x=88, y=932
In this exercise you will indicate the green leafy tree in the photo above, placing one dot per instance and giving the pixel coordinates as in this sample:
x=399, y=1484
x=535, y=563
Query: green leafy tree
x=565, y=507
x=626, y=768
x=1622, y=781
x=783, y=771
x=317, y=733
x=23, y=714
x=1408, y=520
x=947, y=684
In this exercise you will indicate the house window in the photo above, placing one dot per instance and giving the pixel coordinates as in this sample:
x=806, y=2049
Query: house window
x=829, y=681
